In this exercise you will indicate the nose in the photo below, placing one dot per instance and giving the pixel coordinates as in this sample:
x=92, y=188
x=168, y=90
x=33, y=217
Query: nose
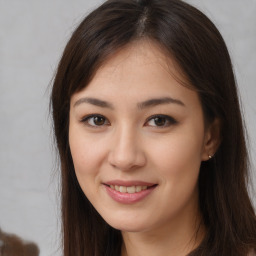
x=126, y=150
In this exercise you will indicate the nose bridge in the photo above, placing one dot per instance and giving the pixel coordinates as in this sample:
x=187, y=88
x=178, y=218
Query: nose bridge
x=126, y=151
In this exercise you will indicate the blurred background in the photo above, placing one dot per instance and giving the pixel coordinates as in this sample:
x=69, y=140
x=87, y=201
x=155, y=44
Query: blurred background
x=33, y=35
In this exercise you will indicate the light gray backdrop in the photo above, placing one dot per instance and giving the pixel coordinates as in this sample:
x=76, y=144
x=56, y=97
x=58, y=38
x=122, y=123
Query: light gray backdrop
x=32, y=36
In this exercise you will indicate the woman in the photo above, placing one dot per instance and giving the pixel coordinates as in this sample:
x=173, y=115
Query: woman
x=150, y=136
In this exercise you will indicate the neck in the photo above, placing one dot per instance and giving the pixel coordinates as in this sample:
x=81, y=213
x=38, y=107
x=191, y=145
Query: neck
x=174, y=239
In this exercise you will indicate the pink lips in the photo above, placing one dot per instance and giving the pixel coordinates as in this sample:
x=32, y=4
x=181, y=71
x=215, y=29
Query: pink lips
x=128, y=198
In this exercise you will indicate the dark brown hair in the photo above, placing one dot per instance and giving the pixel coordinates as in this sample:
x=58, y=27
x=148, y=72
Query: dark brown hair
x=200, y=52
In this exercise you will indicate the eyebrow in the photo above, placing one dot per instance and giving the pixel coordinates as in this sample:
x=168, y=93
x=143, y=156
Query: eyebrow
x=159, y=101
x=94, y=101
x=141, y=105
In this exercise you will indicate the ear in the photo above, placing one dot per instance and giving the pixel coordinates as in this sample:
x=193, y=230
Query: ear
x=212, y=139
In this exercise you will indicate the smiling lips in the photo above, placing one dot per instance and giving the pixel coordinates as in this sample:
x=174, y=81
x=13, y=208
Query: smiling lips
x=128, y=192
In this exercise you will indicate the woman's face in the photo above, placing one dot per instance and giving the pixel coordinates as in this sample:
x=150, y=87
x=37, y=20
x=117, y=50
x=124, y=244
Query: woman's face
x=137, y=139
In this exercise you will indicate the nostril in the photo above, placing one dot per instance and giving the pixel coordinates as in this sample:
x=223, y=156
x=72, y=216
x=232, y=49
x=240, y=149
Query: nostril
x=126, y=161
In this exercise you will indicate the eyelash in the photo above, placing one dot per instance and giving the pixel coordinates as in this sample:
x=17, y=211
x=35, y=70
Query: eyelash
x=168, y=120
x=86, y=120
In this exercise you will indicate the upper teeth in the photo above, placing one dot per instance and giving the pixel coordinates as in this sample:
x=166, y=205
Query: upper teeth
x=130, y=190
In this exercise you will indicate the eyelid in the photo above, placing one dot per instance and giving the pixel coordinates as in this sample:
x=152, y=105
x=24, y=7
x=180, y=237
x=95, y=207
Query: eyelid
x=85, y=119
x=170, y=120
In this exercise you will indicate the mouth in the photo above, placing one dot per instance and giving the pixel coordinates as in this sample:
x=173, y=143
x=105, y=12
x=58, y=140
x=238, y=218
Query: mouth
x=130, y=189
x=129, y=192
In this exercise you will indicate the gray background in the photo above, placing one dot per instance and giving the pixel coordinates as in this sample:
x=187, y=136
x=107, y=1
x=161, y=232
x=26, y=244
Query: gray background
x=32, y=37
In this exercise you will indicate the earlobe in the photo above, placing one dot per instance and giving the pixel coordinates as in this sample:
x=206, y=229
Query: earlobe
x=212, y=140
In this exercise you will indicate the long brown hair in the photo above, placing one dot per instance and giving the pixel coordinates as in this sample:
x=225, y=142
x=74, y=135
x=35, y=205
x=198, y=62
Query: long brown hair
x=199, y=50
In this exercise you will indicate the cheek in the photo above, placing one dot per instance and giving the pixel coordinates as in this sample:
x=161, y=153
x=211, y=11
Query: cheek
x=177, y=163
x=178, y=157
x=87, y=157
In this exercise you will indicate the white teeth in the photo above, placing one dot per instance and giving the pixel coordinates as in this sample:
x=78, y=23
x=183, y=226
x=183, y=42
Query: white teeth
x=123, y=189
x=138, y=188
x=130, y=190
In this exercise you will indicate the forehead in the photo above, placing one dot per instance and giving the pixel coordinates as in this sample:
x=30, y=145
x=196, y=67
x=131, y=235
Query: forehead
x=139, y=55
x=137, y=72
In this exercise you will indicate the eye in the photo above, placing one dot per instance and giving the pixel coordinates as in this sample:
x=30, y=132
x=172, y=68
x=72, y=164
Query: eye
x=161, y=121
x=95, y=120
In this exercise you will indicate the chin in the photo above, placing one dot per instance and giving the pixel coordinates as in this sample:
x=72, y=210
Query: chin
x=128, y=228
x=128, y=225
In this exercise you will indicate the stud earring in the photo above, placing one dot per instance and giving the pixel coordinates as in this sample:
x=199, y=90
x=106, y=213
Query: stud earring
x=210, y=157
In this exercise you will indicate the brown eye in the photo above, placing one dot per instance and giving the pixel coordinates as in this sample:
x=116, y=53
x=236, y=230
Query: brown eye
x=98, y=120
x=95, y=120
x=161, y=121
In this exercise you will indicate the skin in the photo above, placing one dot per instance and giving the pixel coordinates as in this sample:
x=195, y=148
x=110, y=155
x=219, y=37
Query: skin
x=128, y=144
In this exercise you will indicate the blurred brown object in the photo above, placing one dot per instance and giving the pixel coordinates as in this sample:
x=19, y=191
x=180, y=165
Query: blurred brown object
x=12, y=245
